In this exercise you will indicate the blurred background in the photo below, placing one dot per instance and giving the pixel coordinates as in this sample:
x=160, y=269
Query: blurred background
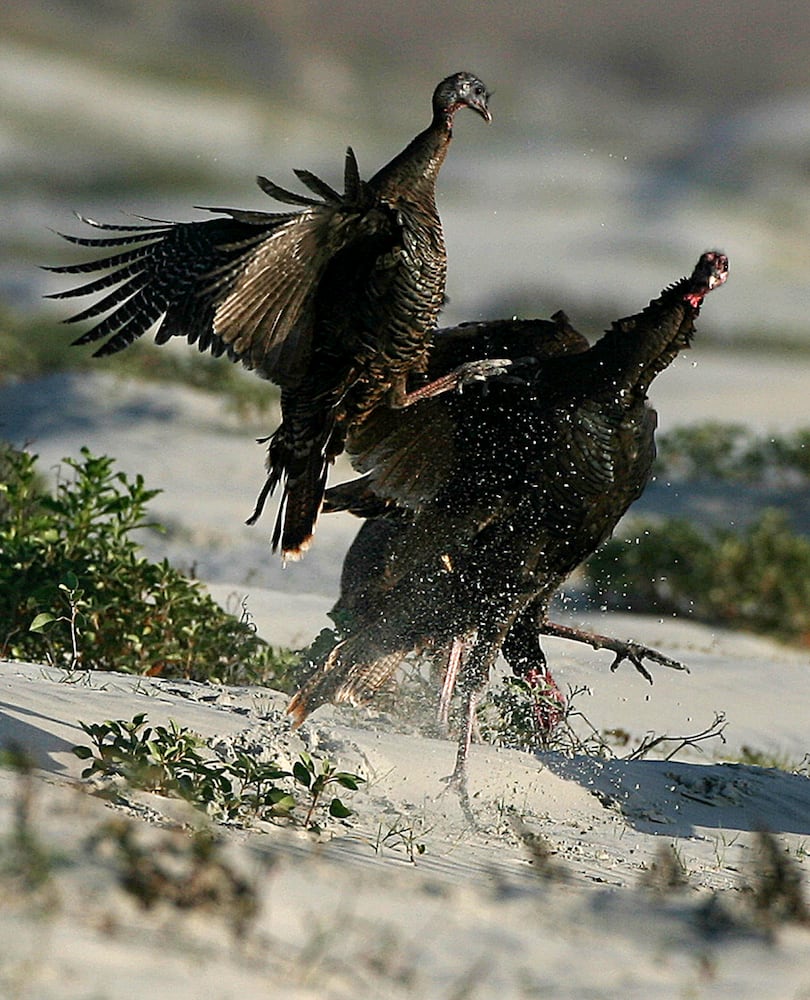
x=628, y=136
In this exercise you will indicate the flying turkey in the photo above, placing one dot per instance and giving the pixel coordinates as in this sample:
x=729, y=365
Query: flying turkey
x=479, y=506
x=335, y=302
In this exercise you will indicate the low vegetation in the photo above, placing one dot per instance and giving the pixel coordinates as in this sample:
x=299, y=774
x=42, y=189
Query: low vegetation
x=37, y=347
x=754, y=577
x=733, y=453
x=26, y=863
x=75, y=592
x=174, y=760
x=186, y=870
x=511, y=715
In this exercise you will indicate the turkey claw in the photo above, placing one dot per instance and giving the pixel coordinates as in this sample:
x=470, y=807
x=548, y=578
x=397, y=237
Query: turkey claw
x=635, y=653
x=484, y=370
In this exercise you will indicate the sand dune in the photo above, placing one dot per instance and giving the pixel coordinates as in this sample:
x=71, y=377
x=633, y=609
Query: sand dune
x=360, y=911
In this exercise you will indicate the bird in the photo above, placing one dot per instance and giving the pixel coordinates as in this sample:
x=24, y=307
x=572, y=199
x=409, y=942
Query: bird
x=479, y=505
x=335, y=302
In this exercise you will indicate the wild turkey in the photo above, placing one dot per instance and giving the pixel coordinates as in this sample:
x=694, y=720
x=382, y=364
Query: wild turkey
x=336, y=303
x=480, y=505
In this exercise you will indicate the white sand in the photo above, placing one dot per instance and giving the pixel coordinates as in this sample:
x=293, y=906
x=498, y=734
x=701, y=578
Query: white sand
x=348, y=917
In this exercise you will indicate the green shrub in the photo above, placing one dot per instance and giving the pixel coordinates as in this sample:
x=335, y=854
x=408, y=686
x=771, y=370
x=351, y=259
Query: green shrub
x=74, y=590
x=174, y=760
x=755, y=578
x=32, y=348
x=732, y=453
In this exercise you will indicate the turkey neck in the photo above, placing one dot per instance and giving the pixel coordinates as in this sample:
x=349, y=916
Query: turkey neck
x=416, y=168
x=409, y=296
x=637, y=348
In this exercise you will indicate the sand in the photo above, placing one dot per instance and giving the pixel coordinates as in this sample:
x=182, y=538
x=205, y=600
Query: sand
x=409, y=896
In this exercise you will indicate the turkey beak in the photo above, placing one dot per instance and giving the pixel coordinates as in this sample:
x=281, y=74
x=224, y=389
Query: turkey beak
x=483, y=110
x=721, y=271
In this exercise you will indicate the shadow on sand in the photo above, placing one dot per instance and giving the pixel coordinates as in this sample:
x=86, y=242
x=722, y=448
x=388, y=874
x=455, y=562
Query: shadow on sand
x=674, y=798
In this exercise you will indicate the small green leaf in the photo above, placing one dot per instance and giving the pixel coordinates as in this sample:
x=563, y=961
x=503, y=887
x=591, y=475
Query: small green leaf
x=318, y=785
x=283, y=805
x=272, y=773
x=83, y=753
x=40, y=623
x=338, y=810
x=302, y=774
x=351, y=781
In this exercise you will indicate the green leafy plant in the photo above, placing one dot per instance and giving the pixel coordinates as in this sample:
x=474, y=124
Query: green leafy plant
x=316, y=777
x=166, y=760
x=732, y=452
x=756, y=578
x=73, y=597
x=174, y=760
x=75, y=590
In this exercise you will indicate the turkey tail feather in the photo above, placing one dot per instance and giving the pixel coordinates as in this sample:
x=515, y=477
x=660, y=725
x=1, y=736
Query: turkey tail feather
x=353, y=672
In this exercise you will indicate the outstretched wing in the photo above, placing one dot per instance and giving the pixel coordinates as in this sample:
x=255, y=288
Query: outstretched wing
x=168, y=271
x=244, y=285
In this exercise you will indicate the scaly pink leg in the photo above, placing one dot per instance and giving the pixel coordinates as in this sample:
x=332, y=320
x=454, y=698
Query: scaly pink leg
x=549, y=701
x=454, y=658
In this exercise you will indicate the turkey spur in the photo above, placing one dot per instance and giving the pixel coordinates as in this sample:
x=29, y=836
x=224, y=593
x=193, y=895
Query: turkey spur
x=335, y=302
x=479, y=505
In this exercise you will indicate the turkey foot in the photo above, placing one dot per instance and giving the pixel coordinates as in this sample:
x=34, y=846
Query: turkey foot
x=464, y=375
x=549, y=701
x=635, y=652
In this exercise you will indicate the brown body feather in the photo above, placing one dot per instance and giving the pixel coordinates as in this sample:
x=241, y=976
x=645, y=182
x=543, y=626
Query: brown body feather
x=502, y=496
